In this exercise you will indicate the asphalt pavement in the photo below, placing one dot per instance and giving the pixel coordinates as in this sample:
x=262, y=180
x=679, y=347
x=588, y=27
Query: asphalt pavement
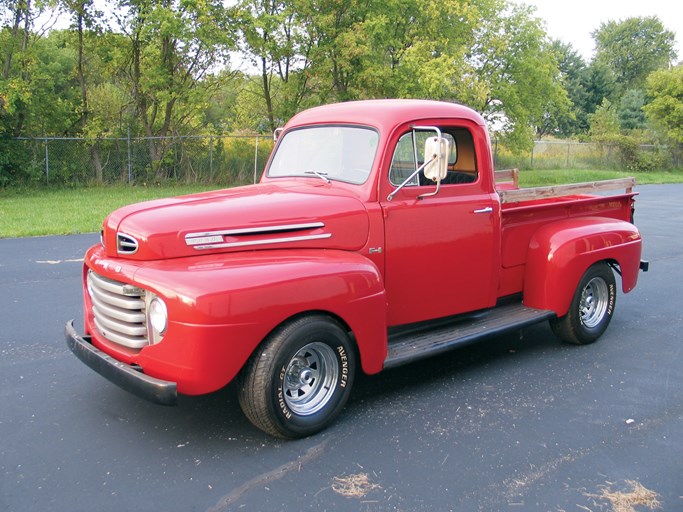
x=519, y=423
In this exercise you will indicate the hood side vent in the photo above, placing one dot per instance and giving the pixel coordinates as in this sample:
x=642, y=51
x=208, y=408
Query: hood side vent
x=217, y=239
x=126, y=244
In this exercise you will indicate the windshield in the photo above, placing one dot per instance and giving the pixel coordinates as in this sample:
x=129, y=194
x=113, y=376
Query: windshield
x=342, y=153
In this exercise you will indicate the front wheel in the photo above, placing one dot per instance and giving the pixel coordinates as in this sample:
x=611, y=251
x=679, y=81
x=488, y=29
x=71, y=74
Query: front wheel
x=299, y=379
x=591, y=308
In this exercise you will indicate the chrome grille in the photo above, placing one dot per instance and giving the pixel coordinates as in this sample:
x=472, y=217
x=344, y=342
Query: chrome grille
x=119, y=311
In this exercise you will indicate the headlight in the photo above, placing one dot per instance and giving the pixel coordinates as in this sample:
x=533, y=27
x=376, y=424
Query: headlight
x=158, y=315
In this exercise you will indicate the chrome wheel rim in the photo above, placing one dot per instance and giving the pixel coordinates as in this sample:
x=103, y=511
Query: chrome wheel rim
x=594, y=302
x=311, y=378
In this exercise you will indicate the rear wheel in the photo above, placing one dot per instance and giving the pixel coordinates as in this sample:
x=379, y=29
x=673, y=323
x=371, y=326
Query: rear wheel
x=591, y=308
x=298, y=381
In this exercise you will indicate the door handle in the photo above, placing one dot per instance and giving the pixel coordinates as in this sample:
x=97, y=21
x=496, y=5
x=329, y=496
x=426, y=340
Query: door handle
x=488, y=209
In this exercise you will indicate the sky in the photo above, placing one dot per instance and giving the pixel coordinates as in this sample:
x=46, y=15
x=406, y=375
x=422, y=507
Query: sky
x=573, y=21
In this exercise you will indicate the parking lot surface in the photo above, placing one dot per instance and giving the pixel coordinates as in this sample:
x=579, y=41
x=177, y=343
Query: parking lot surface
x=519, y=423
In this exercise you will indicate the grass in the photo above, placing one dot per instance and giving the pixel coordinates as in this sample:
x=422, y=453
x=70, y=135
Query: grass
x=540, y=178
x=39, y=212
x=42, y=212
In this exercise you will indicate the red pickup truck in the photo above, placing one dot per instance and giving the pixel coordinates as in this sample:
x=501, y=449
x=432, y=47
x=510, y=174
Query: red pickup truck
x=378, y=235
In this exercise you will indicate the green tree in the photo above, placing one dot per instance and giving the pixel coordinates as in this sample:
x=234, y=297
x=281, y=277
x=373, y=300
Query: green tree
x=39, y=94
x=604, y=123
x=634, y=48
x=601, y=85
x=39, y=97
x=340, y=45
x=665, y=87
x=54, y=101
x=576, y=80
x=250, y=114
x=432, y=61
x=489, y=54
x=274, y=41
x=630, y=111
x=220, y=115
x=172, y=48
x=17, y=64
x=110, y=106
x=84, y=18
x=513, y=58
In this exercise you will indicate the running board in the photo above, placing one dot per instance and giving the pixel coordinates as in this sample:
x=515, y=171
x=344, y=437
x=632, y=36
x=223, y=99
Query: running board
x=410, y=346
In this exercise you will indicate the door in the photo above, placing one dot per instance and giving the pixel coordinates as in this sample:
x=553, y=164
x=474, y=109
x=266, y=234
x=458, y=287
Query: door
x=441, y=251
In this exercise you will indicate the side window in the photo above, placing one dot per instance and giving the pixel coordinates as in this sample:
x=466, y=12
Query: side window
x=409, y=155
x=464, y=169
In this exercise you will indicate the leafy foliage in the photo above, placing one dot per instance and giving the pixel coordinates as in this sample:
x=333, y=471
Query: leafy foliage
x=634, y=48
x=604, y=123
x=164, y=68
x=666, y=108
x=631, y=114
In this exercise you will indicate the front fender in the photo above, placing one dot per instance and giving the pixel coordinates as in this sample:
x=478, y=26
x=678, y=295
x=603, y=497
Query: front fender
x=560, y=252
x=244, y=296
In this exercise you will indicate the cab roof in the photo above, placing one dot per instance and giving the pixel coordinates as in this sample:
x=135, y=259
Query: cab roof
x=384, y=114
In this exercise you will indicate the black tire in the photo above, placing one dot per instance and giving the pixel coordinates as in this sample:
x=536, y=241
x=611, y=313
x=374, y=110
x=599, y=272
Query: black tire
x=591, y=309
x=300, y=377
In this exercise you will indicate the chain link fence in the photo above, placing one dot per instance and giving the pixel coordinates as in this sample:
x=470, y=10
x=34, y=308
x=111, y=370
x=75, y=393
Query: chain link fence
x=583, y=155
x=228, y=160
x=237, y=160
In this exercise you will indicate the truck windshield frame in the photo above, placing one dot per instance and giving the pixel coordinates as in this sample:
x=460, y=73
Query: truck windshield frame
x=337, y=152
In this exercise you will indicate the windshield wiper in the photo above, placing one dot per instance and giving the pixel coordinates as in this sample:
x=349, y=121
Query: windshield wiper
x=321, y=175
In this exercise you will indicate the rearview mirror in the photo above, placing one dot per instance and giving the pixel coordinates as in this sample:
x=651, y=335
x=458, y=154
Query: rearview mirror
x=436, y=155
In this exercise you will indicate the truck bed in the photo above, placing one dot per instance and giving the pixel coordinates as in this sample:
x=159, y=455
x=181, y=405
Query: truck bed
x=507, y=186
x=524, y=210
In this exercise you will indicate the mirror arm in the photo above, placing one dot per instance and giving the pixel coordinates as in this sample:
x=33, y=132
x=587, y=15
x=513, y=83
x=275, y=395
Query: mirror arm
x=391, y=196
x=425, y=128
x=437, y=157
x=438, y=187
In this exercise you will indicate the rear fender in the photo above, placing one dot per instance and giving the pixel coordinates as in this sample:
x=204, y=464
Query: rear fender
x=560, y=252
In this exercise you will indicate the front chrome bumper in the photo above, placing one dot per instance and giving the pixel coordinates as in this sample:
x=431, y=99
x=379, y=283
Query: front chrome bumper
x=125, y=376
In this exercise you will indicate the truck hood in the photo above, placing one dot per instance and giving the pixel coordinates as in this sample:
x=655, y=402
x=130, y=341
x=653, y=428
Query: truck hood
x=267, y=216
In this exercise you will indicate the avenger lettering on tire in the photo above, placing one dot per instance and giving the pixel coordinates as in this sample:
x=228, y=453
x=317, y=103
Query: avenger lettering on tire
x=591, y=309
x=299, y=379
